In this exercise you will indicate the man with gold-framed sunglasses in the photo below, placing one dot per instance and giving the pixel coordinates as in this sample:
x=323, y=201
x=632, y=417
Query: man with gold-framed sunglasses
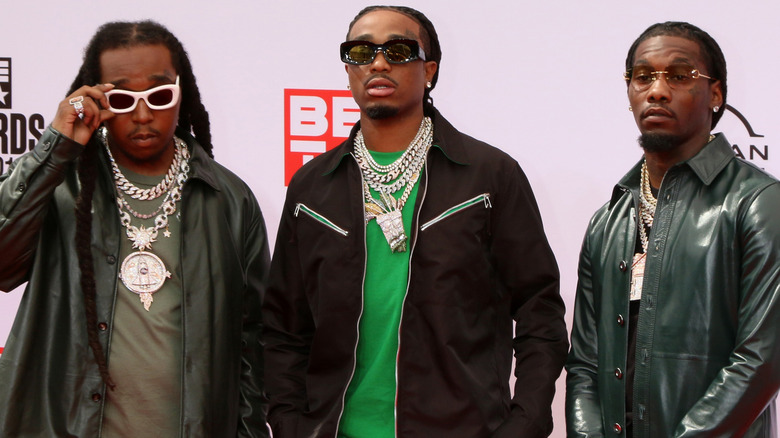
x=678, y=301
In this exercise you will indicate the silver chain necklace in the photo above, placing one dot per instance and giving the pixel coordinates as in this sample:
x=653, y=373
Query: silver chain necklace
x=402, y=173
x=391, y=178
x=143, y=272
x=129, y=188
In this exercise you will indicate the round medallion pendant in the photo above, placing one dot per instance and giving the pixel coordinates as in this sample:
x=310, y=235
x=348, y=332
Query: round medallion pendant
x=143, y=273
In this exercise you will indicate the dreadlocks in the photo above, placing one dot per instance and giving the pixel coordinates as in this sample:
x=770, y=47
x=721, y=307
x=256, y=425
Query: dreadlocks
x=430, y=43
x=192, y=118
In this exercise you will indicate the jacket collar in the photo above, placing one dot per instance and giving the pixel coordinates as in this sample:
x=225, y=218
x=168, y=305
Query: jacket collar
x=202, y=166
x=706, y=165
x=445, y=138
x=712, y=159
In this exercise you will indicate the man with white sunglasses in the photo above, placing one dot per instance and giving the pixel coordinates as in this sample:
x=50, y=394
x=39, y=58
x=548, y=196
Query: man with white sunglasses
x=403, y=258
x=145, y=260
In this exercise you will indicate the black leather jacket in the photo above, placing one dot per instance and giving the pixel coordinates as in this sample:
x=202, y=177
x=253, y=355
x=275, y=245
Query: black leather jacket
x=473, y=270
x=49, y=381
x=707, y=358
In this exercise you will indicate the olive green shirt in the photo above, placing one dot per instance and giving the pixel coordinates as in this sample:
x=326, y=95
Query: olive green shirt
x=145, y=349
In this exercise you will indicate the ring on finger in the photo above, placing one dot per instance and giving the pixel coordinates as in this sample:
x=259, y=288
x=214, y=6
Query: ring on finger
x=77, y=105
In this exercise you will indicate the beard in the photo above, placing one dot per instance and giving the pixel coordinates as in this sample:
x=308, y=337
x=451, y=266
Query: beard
x=381, y=112
x=652, y=142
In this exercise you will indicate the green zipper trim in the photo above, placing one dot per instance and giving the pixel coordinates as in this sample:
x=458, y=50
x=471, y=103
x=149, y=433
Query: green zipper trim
x=320, y=218
x=485, y=198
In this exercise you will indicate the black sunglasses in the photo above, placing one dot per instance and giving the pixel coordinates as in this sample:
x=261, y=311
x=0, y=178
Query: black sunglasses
x=395, y=51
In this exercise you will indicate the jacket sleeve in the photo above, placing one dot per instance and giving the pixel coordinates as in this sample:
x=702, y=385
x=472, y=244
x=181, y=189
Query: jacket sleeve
x=528, y=271
x=253, y=405
x=288, y=332
x=583, y=407
x=750, y=381
x=25, y=192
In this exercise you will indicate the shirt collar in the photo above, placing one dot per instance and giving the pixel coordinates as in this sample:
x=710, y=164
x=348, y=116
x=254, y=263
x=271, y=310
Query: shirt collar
x=706, y=165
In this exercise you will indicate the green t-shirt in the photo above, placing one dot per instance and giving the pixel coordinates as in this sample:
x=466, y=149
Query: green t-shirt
x=369, y=408
x=145, y=351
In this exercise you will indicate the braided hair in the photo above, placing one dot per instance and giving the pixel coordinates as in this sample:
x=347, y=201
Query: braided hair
x=193, y=118
x=430, y=43
x=710, y=51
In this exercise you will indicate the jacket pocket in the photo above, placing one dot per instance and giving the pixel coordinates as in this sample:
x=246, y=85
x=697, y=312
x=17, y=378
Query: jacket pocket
x=483, y=199
x=319, y=218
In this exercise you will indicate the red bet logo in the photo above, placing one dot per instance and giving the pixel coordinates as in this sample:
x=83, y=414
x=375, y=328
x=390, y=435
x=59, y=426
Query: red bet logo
x=315, y=121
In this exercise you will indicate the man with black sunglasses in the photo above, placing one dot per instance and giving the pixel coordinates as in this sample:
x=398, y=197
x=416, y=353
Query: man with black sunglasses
x=145, y=260
x=403, y=258
x=678, y=301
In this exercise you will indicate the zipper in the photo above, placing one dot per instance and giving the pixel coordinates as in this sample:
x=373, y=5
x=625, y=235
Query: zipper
x=319, y=218
x=406, y=294
x=484, y=198
x=360, y=316
x=403, y=305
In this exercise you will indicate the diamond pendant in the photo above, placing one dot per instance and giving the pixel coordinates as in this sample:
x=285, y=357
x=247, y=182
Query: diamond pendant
x=392, y=227
x=143, y=273
x=637, y=276
x=142, y=237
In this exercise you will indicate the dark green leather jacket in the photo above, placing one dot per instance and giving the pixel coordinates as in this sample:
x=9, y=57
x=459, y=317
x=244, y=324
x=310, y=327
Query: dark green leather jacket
x=49, y=381
x=708, y=359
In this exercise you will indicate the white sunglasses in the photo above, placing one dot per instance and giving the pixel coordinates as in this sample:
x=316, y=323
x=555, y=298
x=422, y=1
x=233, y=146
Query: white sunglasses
x=157, y=98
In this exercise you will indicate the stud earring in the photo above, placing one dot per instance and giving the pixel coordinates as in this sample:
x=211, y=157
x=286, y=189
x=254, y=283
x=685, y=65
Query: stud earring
x=428, y=84
x=631, y=109
x=715, y=109
x=348, y=87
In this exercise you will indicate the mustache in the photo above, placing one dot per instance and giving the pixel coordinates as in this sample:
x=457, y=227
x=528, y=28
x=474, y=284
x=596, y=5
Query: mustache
x=143, y=130
x=380, y=76
x=658, y=109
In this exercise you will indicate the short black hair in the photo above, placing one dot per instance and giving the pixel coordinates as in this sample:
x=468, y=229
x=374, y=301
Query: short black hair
x=710, y=51
x=430, y=42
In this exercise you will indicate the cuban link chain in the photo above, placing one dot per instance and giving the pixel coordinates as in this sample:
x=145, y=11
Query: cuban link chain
x=387, y=180
x=143, y=272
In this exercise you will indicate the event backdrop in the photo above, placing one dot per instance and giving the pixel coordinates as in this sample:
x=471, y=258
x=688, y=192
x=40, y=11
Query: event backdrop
x=540, y=80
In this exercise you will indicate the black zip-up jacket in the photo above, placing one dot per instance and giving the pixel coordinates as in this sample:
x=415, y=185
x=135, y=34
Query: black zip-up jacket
x=479, y=261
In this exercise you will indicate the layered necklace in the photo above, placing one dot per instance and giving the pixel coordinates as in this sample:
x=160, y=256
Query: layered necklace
x=647, y=204
x=143, y=272
x=401, y=175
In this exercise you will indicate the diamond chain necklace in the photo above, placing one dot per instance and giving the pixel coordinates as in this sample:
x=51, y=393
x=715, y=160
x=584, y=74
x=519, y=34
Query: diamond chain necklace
x=143, y=272
x=402, y=173
x=391, y=178
x=647, y=204
x=129, y=188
